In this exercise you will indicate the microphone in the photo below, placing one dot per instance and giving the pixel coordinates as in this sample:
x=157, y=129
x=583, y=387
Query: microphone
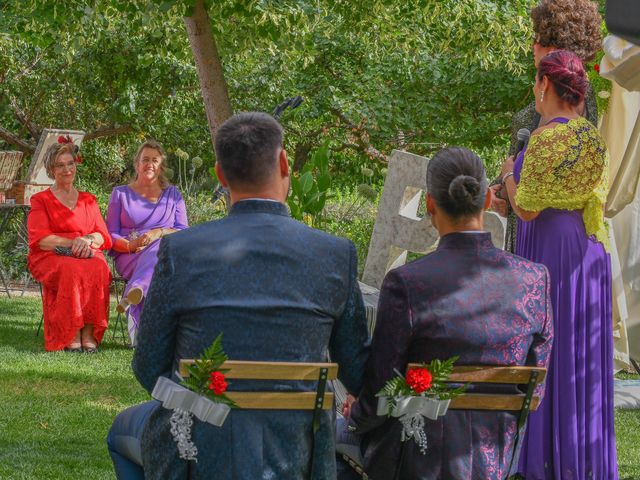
x=523, y=138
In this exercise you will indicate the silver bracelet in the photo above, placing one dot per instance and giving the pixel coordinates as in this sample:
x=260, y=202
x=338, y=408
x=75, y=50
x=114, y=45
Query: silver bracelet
x=505, y=176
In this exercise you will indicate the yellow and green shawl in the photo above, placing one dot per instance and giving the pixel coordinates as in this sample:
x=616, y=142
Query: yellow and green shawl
x=566, y=167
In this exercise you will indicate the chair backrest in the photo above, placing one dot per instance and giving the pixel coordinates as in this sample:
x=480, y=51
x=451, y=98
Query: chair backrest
x=320, y=372
x=530, y=377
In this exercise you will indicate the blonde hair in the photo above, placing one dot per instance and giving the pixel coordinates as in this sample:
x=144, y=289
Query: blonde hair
x=54, y=152
x=155, y=145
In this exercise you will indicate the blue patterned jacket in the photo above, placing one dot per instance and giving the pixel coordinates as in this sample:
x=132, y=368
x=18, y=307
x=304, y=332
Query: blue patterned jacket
x=279, y=291
x=470, y=299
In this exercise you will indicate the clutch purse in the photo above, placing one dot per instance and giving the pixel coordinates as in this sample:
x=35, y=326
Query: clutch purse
x=66, y=252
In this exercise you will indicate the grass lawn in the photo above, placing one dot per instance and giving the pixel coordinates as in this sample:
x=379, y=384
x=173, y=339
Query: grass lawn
x=56, y=408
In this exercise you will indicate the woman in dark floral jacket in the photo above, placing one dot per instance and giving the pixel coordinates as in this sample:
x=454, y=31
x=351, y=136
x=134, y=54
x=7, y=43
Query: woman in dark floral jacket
x=467, y=298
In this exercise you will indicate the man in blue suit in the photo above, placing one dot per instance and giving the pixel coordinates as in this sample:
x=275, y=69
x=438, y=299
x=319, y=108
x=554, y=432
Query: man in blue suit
x=277, y=289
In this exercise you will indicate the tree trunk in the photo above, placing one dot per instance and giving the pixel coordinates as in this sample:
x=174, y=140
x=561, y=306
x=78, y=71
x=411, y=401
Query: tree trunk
x=210, y=73
x=301, y=156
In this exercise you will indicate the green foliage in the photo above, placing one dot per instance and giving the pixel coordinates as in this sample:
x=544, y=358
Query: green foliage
x=132, y=78
x=440, y=370
x=13, y=251
x=188, y=174
x=201, y=209
x=310, y=190
x=352, y=215
x=210, y=361
x=417, y=75
x=601, y=86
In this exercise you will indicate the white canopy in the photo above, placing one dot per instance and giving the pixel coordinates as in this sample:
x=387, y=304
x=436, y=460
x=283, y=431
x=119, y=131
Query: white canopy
x=620, y=128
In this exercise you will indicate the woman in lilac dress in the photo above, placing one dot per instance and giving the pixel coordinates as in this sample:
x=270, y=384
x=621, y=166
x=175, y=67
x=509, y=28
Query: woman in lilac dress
x=139, y=215
x=558, y=188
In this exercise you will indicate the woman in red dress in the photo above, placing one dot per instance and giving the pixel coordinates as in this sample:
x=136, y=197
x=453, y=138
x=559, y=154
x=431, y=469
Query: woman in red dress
x=66, y=236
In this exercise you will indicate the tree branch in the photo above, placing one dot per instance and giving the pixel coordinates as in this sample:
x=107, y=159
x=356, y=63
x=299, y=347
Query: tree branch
x=28, y=69
x=346, y=146
x=343, y=118
x=360, y=141
x=370, y=151
x=11, y=139
x=24, y=119
x=108, y=132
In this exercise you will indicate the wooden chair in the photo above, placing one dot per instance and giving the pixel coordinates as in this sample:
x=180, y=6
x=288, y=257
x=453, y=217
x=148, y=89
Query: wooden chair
x=119, y=284
x=317, y=401
x=522, y=400
x=268, y=400
x=528, y=377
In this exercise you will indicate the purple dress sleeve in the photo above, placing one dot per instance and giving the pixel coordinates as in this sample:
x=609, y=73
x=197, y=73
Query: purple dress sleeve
x=113, y=215
x=181, y=221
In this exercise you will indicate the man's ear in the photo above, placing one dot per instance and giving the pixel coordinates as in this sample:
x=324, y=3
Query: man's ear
x=487, y=199
x=284, y=163
x=221, y=177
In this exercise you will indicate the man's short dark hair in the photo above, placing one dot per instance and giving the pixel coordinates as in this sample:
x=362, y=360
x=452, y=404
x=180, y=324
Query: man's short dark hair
x=247, y=147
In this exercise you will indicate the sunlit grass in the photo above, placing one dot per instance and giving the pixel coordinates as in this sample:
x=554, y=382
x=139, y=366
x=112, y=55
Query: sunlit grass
x=56, y=408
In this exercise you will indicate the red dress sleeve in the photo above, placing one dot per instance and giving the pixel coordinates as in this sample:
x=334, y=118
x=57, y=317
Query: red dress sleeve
x=99, y=226
x=38, y=225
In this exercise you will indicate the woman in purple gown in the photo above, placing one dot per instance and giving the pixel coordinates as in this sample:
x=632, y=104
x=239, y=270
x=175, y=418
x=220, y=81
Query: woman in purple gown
x=139, y=215
x=558, y=188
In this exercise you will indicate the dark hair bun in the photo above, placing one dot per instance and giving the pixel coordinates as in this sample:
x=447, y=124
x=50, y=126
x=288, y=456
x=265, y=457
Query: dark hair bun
x=456, y=180
x=464, y=190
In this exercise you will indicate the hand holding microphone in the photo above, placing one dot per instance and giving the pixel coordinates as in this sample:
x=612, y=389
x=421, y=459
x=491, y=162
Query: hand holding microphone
x=523, y=139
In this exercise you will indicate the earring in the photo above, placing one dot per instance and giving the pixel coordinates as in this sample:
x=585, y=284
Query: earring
x=542, y=96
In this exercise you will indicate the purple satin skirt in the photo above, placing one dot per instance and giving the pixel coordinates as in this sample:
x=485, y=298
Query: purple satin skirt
x=571, y=436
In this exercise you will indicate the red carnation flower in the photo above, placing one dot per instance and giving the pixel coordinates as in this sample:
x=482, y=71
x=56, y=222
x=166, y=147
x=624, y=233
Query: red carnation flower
x=419, y=379
x=596, y=67
x=217, y=383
